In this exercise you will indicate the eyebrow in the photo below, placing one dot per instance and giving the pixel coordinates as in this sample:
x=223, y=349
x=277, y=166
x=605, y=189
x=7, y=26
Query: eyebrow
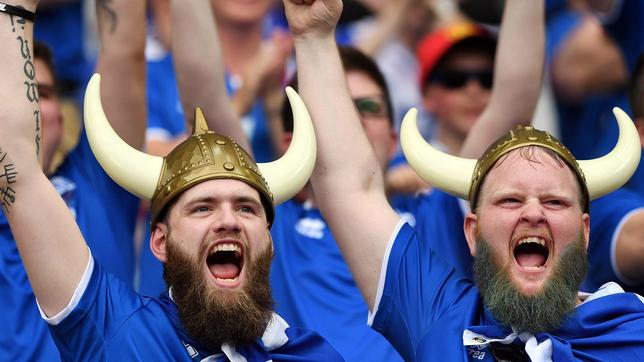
x=235, y=199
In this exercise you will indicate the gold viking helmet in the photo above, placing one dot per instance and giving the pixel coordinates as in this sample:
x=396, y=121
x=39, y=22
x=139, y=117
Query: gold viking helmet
x=203, y=156
x=463, y=177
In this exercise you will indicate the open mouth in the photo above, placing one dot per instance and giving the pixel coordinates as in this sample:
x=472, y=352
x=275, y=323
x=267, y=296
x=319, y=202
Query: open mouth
x=531, y=253
x=226, y=261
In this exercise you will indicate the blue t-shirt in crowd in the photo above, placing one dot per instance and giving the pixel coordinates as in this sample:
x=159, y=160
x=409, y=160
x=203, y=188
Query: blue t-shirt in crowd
x=588, y=127
x=313, y=287
x=607, y=215
x=112, y=322
x=106, y=216
x=62, y=28
x=166, y=113
x=430, y=313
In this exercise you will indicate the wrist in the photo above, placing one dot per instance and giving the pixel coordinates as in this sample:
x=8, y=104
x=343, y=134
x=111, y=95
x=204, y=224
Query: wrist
x=19, y=10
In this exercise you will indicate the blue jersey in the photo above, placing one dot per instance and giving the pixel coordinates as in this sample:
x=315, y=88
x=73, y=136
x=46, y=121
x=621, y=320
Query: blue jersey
x=112, y=322
x=62, y=28
x=608, y=214
x=430, y=313
x=313, y=287
x=166, y=113
x=439, y=221
x=588, y=127
x=105, y=214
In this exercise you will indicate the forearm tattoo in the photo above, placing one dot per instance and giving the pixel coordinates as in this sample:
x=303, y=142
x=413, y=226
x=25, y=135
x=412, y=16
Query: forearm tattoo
x=9, y=175
x=31, y=87
x=105, y=9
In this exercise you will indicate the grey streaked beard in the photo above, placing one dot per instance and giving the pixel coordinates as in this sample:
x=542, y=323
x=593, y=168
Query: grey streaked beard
x=541, y=312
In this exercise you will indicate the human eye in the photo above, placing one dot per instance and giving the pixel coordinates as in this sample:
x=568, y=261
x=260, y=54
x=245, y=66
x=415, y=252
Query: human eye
x=555, y=203
x=200, y=209
x=247, y=209
x=509, y=201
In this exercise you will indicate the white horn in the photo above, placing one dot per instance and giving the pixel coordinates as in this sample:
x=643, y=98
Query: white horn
x=134, y=170
x=611, y=171
x=288, y=175
x=449, y=173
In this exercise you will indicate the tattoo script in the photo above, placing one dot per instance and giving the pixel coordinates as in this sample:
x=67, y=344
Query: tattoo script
x=105, y=9
x=8, y=177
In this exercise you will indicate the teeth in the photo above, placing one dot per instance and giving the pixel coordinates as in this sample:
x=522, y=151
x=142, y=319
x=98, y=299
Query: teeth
x=227, y=280
x=533, y=239
x=226, y=247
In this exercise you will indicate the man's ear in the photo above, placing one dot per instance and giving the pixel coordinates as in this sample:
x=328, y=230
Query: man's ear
x=470, y=229
x=158, y=238
x=586, y=228
x=393, y=148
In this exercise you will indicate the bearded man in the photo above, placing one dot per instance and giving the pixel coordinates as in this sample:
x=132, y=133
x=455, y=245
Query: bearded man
x=211, y=211
x=528, y=230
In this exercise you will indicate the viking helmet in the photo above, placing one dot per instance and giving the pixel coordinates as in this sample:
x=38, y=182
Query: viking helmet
x=203, y=156
x=463, y=177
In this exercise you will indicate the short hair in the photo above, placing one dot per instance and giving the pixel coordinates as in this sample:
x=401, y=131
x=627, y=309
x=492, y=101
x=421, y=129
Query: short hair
x=352, y=60
x=636, y=89
x=44, y=53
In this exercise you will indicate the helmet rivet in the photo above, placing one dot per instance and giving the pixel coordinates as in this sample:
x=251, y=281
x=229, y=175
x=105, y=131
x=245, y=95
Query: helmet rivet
x=221, y=142
x=532, y=138
x=229, y=166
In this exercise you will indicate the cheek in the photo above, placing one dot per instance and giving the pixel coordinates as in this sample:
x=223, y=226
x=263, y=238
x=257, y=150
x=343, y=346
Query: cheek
x=566, y=231
x=448, y=104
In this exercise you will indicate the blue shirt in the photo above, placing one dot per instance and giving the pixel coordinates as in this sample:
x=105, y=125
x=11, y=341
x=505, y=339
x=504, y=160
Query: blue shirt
x=112, y=322
x=166, y=113
x=588, y=127
x=62, y=28
x=313, y=287
x=430, y=313
x=607, y=215
x=105, y=214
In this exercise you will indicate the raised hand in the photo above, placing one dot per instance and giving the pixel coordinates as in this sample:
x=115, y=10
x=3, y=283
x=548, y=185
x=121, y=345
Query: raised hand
x=312, y=18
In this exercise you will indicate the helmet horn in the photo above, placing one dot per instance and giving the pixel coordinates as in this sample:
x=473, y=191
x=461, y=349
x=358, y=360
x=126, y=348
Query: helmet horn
x=449, y=173
x=607, y=173
x=288, y=175
x=134, y=170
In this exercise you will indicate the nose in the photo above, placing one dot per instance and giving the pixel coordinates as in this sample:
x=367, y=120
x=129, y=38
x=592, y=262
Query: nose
x=532, y=213
x=474, y=85
x=227, y=220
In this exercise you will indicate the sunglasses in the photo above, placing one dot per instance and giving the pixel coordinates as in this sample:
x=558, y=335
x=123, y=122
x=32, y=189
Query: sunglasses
x=455, y=79
x=373, y=106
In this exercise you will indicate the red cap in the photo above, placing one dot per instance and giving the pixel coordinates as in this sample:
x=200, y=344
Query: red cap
x=433, y=47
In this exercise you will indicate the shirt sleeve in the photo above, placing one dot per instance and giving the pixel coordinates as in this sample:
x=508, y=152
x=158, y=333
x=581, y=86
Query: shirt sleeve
x=608, y=215
x=417, y=290
x=86, y=325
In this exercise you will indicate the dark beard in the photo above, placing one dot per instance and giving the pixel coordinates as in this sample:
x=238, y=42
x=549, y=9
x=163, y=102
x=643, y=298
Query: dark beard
x=212, y=317
x=542, y=312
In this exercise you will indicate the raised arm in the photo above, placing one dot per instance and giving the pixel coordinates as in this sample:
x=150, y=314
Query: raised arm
x=200, y=69
x=518, y=73
x=50, y=244
x=347, y=180
x=121, y=62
